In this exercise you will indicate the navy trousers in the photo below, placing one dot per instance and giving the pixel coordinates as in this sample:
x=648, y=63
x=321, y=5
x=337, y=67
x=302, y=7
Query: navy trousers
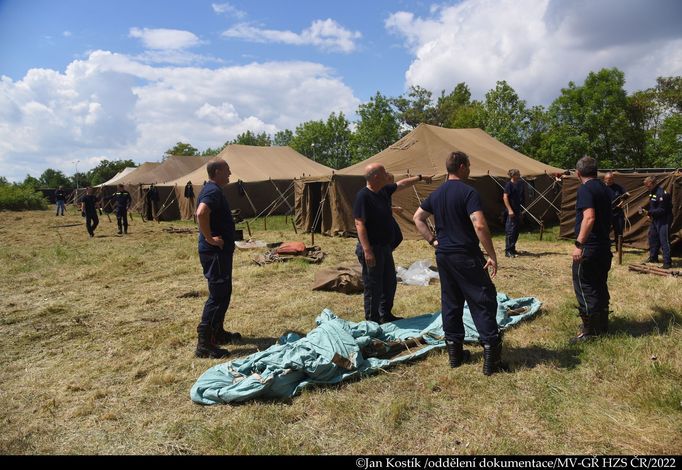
x=122, y=219
x=462, y=278
x=590, y=278
x=218, y=272
x=659, y=239
x=618, y=225
x=511, y=231
x=380, y=282
x=91, y=222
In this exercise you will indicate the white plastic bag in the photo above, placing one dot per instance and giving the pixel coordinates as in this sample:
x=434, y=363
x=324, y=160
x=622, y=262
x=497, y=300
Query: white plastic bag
x=418, y=274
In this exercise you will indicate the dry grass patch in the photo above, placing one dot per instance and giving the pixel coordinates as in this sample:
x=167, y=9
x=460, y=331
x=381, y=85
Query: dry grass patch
x=98, y=338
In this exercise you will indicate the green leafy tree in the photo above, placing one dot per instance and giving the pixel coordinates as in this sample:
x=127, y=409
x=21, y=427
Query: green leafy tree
x=283, y=138
x=377, y=128
x=53, y=179
x=31, y=182
x=105, y=170
x=250, y=138
x=181, y=148
x=415, y=108
x=327, y=142
x=448, y=106
x=80, y=180
x=594, y=119
x=212, y=152
x=505, y=115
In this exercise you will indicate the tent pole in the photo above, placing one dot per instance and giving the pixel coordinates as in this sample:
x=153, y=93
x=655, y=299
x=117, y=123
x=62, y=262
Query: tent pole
x=293, y=223
x=265, y=223
x=248, y=227
x=619, y=247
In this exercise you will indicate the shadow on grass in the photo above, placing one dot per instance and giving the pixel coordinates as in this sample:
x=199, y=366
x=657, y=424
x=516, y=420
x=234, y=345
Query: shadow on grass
x=661, y=321
x=528, y=254
x=533, y=356
x=256, y=344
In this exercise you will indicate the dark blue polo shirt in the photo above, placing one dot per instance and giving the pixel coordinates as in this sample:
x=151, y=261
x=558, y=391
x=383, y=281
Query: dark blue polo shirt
x=615, y=191
x=515, y=193
x=660, y=206
x=375, y=210
x=451, y=205
x=594, y=195
x=90, y=203
x=221, y=221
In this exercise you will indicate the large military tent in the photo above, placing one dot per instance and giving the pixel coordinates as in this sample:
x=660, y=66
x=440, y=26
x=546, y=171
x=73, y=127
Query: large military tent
x=325, y=204
x=261, y=181
x=636, y=225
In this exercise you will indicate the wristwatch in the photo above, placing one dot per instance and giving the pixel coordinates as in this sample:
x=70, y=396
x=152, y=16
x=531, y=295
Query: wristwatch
x=578, y=244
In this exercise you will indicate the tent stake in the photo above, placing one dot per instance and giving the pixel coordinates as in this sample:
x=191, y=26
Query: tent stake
x=293, y=224
x=619, y=247
x=265, y=223
x=248, y=227
x=542, y=229
x=312, y=238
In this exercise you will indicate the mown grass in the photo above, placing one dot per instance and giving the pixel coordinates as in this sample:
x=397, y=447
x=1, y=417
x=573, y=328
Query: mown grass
x=98, y=339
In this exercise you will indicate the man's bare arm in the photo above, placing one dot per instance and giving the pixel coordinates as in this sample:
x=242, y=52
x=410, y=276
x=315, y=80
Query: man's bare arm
x=483, y=234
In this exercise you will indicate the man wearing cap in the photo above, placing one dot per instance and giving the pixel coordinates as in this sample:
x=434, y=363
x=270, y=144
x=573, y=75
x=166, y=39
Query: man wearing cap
x=460, y=226
x=216, y=249
x=376, y=237
x=592, y=254
x=659, y=209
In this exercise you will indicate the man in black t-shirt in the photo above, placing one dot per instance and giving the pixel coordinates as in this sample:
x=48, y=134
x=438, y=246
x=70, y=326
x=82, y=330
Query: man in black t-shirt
x=216, y=249
x=513, y=199
x=592, y=253
x=460, y=226
x=376, y=236
x=60, y=199
x=618, y=196
x=89, y=204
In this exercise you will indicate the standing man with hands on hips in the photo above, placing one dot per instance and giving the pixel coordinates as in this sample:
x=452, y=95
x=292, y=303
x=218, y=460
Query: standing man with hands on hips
x=216, y=250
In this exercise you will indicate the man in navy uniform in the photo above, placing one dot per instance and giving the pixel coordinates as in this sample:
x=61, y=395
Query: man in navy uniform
x=592, y=254
x=460, y=226
x=89, y=204
x=660, y=211
x=216, y=249
x=376, y=238
x=122, y=200
x=618, y=195
x=513, y=198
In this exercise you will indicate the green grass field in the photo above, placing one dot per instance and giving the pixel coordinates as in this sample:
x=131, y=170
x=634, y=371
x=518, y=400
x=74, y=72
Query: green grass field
x=98, y=338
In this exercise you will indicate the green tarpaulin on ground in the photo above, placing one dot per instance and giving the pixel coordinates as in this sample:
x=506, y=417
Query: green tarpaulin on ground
x=338, y=350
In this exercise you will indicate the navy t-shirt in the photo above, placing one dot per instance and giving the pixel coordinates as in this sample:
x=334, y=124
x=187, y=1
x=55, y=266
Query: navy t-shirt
x=515, y=193
x=90, y=203
x=451, y=205
x=375, y=210
x=615, y=191
x=594, y=195
x=221, y=221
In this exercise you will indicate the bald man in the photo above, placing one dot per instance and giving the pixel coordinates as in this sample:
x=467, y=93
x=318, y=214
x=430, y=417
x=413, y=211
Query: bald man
x=375, y=226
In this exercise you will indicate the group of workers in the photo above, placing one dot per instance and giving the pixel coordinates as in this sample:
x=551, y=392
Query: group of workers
x=90, y=203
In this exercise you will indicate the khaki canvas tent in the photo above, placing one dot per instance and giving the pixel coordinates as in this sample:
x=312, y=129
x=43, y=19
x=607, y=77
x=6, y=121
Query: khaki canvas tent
x=325, y=204
x=120, y=175
x=261, y=181
x=636, y=229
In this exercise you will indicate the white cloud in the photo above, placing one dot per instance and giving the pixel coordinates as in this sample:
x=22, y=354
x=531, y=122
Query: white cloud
x=228, y=9
x=116, y=107
x=538, y=46
x=326, y=34
x=67, y=34
x=165, y=39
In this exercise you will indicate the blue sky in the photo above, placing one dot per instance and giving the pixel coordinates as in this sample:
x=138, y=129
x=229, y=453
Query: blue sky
x=88, y=80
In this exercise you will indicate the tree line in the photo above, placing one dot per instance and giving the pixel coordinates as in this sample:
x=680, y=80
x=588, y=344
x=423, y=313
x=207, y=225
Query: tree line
x=599, y=118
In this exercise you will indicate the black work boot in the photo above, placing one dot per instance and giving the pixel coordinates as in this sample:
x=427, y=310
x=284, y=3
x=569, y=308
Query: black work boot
x=226, y=337
x=587, y=330
x=492, y=358
x=457, y=354
x=206, y=347
x=601, y=326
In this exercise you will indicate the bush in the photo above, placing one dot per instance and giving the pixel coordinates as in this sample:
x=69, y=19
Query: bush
x=20, y=198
